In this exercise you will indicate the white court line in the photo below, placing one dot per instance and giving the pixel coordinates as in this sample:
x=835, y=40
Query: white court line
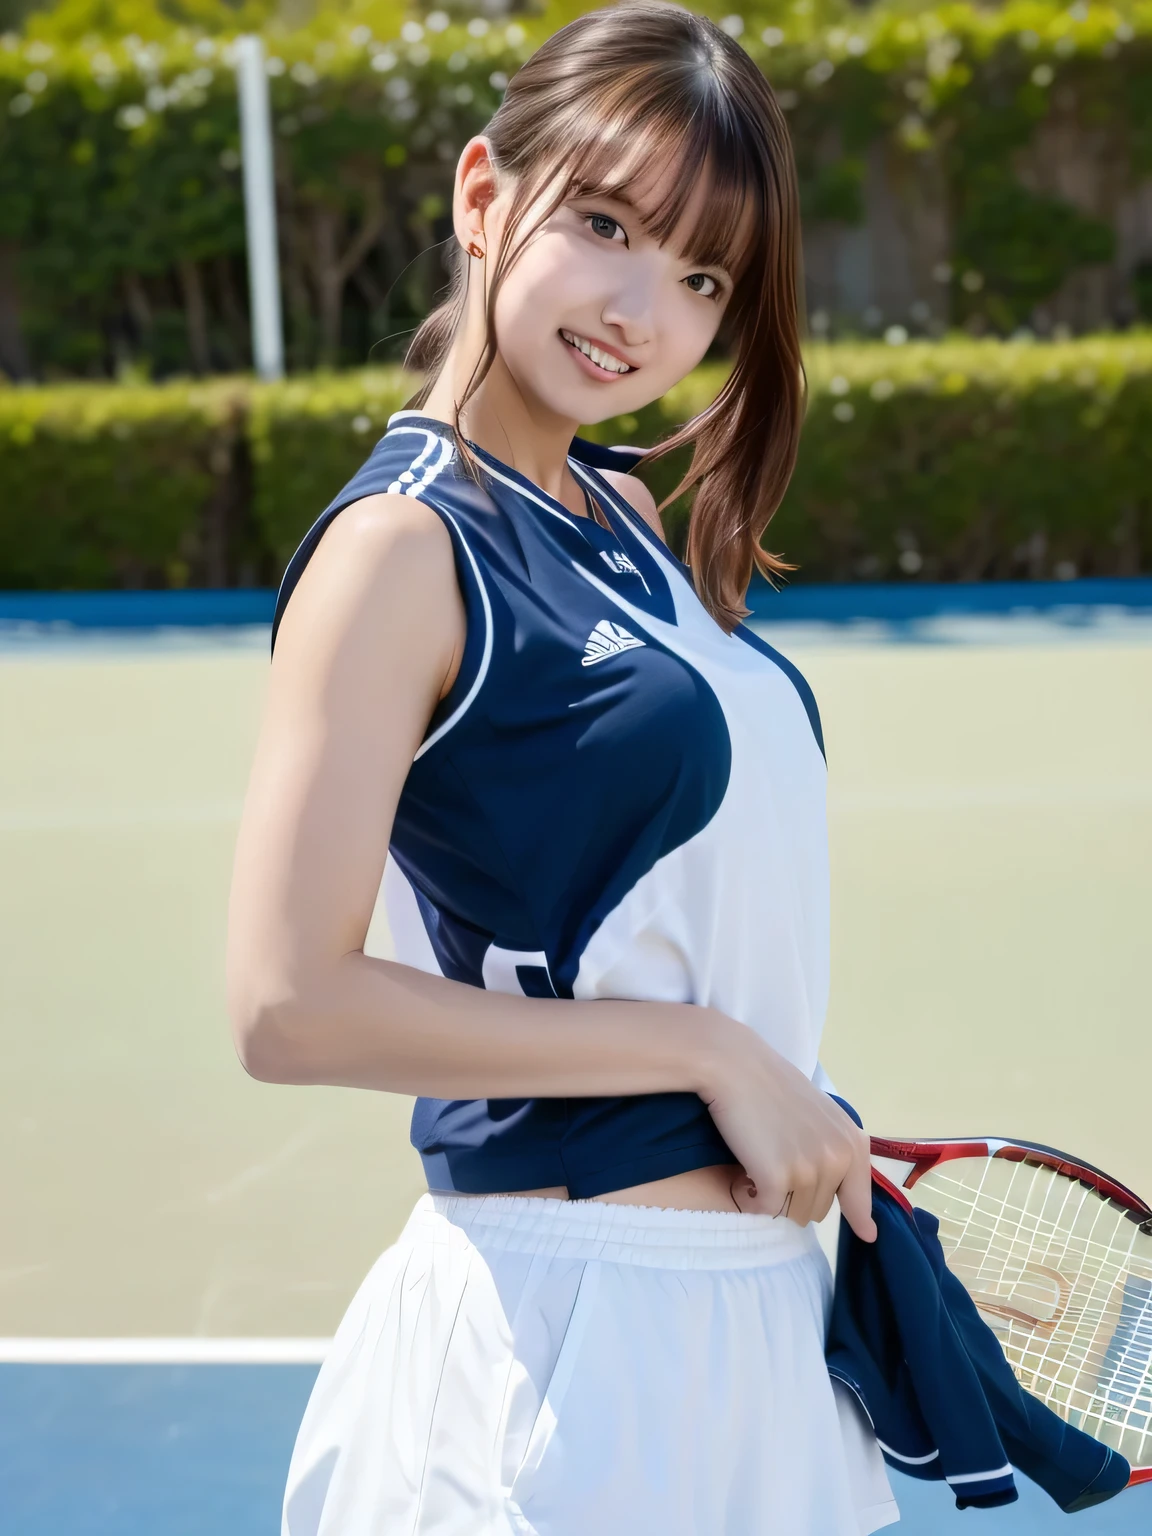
x=187, y=1351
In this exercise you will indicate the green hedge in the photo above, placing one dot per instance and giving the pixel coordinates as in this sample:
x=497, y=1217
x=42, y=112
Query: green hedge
x=111, y=486
x=961, y=460
x=120, y=202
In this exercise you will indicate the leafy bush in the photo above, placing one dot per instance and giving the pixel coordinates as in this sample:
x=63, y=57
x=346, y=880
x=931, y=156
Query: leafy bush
x=117, y=486
x=120, y=201
x=960, y=460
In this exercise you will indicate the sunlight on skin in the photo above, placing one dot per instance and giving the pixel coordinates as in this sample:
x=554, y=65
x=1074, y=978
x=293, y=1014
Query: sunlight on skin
x=593, y=271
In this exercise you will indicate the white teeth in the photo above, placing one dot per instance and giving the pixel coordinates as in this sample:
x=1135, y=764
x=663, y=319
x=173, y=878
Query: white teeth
x=605, y=359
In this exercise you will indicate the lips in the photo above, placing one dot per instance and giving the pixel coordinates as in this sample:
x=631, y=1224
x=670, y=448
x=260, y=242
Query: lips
x=598, y=369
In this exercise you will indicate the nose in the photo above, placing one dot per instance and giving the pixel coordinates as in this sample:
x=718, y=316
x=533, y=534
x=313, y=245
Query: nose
x=631, y=306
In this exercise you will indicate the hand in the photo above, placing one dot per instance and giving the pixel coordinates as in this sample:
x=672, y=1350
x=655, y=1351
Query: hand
x=798, y=1148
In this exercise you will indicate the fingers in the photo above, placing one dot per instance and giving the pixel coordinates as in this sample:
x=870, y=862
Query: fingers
x=856, y=1195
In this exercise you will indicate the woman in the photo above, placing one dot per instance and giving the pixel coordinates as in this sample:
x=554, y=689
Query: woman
x=603, y=804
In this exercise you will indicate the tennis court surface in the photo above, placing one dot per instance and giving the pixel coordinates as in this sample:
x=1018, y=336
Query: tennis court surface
x=178, y=1240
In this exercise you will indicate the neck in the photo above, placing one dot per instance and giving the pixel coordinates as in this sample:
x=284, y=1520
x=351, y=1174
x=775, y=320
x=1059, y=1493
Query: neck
x=504, y=421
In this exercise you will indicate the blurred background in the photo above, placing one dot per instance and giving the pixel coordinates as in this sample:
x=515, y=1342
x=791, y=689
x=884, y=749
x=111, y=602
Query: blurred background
x=972, y=518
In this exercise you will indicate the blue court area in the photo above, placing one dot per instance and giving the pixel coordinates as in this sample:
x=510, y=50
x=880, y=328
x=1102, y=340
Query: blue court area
x=201, y=1450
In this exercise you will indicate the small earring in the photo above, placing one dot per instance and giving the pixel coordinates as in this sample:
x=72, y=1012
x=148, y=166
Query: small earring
x=474, y=249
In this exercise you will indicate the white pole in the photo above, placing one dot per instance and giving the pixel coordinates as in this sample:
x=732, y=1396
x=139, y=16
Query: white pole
x=260, y=207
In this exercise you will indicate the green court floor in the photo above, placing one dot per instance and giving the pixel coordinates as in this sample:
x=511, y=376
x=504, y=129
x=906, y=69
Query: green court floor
x=991, y=823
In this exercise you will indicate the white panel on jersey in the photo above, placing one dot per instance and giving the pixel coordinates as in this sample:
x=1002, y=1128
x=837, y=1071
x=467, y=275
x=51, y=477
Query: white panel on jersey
x=500, y=967
x=410, y=940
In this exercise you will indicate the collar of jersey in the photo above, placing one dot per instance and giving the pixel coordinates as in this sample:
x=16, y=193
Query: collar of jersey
x=529, y=487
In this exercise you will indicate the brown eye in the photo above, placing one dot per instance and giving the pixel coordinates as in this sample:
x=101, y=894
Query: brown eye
x=708, y=278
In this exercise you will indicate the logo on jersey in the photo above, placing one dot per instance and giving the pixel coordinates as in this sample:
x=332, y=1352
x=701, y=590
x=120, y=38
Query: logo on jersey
x=619, y=562
x=607, y=639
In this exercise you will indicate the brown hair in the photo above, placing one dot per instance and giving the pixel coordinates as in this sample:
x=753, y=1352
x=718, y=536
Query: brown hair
x=657, y=78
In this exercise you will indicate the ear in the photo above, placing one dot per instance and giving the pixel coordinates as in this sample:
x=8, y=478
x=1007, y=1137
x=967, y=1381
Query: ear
x=474, y=191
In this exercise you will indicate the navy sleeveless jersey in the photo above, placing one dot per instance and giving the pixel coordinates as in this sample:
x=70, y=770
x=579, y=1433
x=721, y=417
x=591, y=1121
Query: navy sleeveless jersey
x=615, y=799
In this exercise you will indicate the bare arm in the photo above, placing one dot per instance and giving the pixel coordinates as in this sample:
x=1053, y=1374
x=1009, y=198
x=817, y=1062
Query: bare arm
x=369, y=641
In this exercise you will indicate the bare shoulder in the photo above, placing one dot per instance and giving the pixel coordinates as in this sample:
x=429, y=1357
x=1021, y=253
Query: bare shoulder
x=639, y=498
x=383, y=568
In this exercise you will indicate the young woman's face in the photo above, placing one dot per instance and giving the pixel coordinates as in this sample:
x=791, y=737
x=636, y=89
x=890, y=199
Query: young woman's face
x=592, y=278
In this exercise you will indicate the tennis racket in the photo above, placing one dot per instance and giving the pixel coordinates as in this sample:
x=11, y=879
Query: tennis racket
x=1057, y=1257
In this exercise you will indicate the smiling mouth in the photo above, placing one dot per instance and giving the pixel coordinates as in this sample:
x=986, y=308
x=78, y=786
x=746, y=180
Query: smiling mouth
x=610, y=366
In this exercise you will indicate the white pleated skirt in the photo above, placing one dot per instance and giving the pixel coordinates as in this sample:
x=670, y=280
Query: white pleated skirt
x=518, y=1366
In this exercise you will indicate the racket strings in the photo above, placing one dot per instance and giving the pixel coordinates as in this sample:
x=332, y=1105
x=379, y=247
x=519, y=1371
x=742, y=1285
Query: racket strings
x=1066, y=1281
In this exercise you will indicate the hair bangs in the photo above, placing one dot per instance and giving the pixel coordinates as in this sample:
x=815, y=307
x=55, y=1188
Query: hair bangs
x=703, y=148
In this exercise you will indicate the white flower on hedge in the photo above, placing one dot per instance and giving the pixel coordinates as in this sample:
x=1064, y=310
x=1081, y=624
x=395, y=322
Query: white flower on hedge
x=419, y=54
x=857, y=45
x=156, y=97
x=1043, y=75
x=820, y=72
x=910, y=561
x=1124, y=32
x=36, y=82
x=1029, y=39
x=972, y=281
x=458, y=61
x=788, y=100
x=398, y=89
x=304, y=74
x=882, y=389
x=411, y=31
x=21, y=104
x=1065, y=45
x=205, y=48
x=772, y=36
x=275, y=66
x=477, y=26
x=498, y=80
x=436, y=21
x=39, y=53
x=133, y=116
x=361, y=423
x=515, y=34
x=733, y=25
x=843, y=410
x=463, y=94
x=895, y=335
x=839, y=385
x=383, y=61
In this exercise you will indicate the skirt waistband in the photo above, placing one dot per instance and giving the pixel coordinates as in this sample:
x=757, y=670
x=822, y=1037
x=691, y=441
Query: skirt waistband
x=619, y=1234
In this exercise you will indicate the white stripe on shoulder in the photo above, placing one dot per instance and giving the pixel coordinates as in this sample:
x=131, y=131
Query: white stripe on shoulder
x=424, y=464
x=482, y=670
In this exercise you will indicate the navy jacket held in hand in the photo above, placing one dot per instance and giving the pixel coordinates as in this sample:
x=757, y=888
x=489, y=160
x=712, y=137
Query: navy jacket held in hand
x=907, y=1338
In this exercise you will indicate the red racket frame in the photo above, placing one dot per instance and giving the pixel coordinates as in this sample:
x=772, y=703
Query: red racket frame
x=928, y=1155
